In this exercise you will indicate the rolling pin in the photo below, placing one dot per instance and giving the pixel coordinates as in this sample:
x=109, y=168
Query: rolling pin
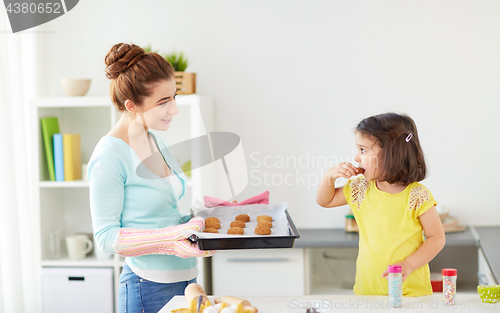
x=233, y=300
x=193, y=290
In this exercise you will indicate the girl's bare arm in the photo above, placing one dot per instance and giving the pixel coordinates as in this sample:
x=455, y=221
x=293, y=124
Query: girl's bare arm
x=328, y=196
x=434, y=232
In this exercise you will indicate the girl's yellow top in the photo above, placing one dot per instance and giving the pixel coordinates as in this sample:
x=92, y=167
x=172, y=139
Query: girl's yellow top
x=389, y=232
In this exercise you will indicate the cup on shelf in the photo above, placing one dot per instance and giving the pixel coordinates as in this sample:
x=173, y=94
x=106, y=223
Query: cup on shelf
x=78, y=246
x=89, y=236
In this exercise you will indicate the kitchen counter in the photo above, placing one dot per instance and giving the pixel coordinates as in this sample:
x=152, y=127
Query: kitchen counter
x=313, y=274
x=326, y=238
x=467, y=302
x=460, y=251
x=490, y=244
x=338, y=238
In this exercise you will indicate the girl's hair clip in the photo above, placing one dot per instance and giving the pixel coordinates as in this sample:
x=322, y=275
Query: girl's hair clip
x=409, y=137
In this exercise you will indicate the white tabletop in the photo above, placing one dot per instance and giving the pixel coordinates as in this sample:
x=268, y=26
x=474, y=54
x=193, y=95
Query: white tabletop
x=466, y=302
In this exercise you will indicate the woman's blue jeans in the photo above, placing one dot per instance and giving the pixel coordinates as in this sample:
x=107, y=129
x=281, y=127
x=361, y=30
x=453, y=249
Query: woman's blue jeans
x=139, y=295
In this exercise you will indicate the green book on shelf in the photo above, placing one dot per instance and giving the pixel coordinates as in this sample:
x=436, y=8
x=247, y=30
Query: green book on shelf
x=50, y=126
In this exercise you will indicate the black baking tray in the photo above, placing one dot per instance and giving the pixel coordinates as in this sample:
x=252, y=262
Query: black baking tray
x=260, y=242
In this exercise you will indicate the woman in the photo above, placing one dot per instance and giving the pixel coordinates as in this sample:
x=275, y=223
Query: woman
x=135, y=184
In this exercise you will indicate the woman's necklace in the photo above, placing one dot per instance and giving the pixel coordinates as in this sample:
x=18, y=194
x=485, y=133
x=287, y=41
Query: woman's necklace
x=166, y=168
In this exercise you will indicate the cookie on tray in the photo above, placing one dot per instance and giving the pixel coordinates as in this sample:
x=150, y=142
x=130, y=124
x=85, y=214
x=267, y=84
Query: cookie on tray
x=265, y=223
x=212, y=224
x=238, y=224
x=263, y=230
x=242, y=217
x=235, y=231
x=211, y=230
x=264, y=218
x=212, y=219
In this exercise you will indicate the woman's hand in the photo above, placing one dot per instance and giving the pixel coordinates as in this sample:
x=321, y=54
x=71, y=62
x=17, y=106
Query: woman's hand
x=344, y=169
x=328, y=196
x=405, y=267
x=186, y=249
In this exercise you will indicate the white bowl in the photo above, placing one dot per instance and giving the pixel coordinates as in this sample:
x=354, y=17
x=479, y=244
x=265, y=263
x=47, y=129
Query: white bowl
x=75, y=87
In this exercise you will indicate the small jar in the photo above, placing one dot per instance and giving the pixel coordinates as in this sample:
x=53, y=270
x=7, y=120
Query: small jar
x=395, y=278
x=449, y=286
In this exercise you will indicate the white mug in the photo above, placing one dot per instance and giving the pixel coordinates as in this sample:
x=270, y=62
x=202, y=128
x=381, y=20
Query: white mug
x=78, y=246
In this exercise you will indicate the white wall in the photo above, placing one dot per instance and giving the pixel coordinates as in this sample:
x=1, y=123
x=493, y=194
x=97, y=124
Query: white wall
x=293, y=78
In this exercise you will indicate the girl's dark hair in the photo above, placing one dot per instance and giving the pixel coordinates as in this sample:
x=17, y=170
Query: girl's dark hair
x=402, y=161
x=133, y=72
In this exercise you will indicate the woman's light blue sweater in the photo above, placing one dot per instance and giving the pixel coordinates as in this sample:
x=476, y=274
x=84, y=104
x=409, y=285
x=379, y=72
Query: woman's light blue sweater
x=121, y=198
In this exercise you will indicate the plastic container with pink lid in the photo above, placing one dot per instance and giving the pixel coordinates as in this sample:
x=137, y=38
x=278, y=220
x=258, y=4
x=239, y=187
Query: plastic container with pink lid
x=395, y=278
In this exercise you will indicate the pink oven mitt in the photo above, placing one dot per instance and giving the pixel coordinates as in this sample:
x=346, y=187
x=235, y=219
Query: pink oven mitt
x=168, y=240
x=263, y=198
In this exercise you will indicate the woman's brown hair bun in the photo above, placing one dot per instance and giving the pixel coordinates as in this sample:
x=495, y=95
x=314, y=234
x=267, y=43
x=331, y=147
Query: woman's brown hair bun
x=120, y=57
x=133, y=73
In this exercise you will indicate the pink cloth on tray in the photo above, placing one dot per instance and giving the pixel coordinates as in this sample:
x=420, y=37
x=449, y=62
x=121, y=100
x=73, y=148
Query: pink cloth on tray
x=263, y=198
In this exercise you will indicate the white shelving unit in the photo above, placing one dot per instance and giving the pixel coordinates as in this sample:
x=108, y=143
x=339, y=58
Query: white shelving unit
x=63, y=207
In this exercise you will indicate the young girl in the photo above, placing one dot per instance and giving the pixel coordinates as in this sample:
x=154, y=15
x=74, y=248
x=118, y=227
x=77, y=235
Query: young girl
x=390, y=206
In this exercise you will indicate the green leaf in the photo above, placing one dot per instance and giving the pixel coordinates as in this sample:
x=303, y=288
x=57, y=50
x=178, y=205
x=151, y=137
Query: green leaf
x=147, y=49
x=178, y=60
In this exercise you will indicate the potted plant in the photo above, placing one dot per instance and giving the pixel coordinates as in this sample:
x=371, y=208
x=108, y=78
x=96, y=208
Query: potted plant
x=186, y=82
